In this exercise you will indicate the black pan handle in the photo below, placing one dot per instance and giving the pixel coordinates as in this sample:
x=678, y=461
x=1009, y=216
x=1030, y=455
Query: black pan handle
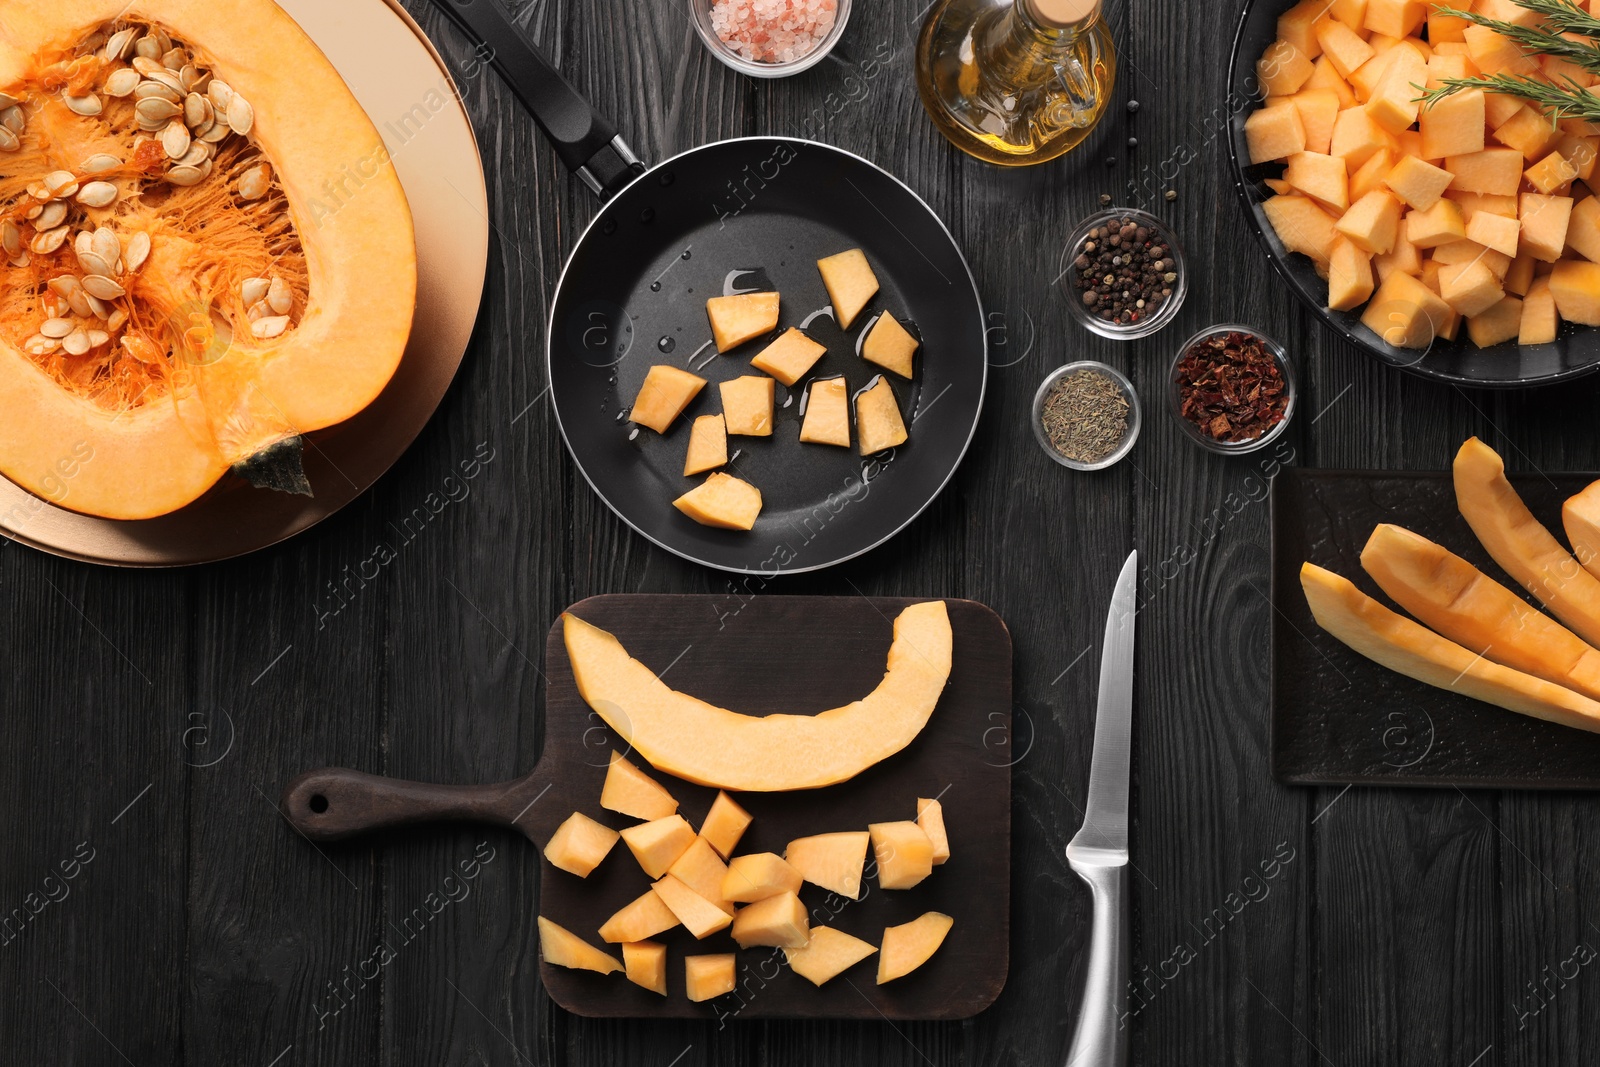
x=586, y=141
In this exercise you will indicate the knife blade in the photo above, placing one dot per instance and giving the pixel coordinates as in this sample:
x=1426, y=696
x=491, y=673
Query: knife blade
x=1098, y=853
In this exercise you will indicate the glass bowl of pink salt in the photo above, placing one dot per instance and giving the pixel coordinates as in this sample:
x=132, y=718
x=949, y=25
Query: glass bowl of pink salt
x=770, y=38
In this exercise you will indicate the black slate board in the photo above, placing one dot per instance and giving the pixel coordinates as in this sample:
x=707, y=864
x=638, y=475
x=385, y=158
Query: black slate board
x=1339, y=718
x=799, y=654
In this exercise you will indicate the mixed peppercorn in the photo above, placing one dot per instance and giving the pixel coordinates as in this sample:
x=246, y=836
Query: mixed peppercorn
x=1124, y=272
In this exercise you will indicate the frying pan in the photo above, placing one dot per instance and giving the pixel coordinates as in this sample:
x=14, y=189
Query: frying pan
x=738, y=215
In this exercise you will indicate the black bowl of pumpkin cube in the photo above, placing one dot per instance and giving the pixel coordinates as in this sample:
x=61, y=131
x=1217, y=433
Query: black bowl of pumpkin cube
x=1423, y=177
x=747, y=402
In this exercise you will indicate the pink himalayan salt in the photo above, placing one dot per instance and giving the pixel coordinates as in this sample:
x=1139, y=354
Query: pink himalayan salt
x=773, y=31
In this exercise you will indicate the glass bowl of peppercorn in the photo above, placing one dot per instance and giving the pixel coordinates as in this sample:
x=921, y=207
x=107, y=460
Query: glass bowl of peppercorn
x=1123, y=273
x=1086, y=415
x=1232, y=389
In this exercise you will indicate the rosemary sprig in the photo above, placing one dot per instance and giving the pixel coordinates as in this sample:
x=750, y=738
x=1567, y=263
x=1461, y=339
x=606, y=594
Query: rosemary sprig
x=1583, y=53
x=1560, y=102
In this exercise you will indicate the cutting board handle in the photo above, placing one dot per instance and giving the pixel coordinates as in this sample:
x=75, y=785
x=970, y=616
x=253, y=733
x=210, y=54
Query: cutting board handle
x=334, y=803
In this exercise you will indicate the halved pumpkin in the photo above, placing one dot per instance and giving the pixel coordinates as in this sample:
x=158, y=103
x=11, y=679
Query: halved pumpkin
x=207, y=252
x=1394, y=641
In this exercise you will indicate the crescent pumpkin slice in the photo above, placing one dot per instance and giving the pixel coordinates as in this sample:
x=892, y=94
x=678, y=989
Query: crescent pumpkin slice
x=702, y=743
x=205, y=252
x=1394, y=641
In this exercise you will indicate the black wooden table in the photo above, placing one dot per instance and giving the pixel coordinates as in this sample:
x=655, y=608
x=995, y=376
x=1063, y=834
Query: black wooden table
x=156, y=909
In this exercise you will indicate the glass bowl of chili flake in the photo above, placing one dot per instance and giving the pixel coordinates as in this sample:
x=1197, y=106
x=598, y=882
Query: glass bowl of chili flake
x=1232, y=389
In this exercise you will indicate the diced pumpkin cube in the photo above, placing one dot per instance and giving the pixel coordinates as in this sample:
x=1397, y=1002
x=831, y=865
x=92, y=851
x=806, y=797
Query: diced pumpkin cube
x=1419, y=185
x=1373, y=222
x=563, y=948
x=1529, y=132
x=1278, y=185
x=1301, y=225
x=779, y=921
x=1544, y=225
x=1345, y=48
x=1353, y=13
x=701, y=869
x=1497, y=325
x=1323, y=178
x=1365, y=79
x=1393, y=103
x=579, y=844
x=722, y=501
x=658, y=844
x=930, y=816
x=1370, y=175
x=666, y=391
x=705, y=977
x=1275, y=132
x=1473, y=203
x=910, y=945
x=1454, y=125
x=1520, y=277
x=828, y=954
x=1494, y=54
x=725, y=823
x=832, y=861
x=1299, y=24
x=827, y=415
x=891, y=346
x=1283, y=68
x=698, y=915
x=1551, y=173
x=708, y=446
x=1403, y=257
x=645, y=964
x=1356, y=137
x=790, y=357
x=1325, y=76
x=1579, y=151
x=904, y=853
x=1495, y=231
x=1410, y=142
x=1494, y=170
x=1444, y=29
x=747, y=405
x=1507, y=11
x=878, y=422
x=643, y=918
x=1469, y=288
x=1349, y=276
x=850, y=282
x=1405, y=313
x=630, y=791
x=758, y=876
x=1540, y=322
x=1575, y=285
x=1583, y=230
x=1395, y=18
x=1498, y=108
x=1467, y=251
x=1560, y=71
x=742, y=317
x=1444, y=67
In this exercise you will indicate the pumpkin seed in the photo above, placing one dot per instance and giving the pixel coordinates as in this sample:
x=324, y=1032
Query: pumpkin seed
x=157, y=109
x=194, y=109
x=198, y=153
x=258, y=311
x=170, y=80
x=174, y=59
x=101, y=309
x=80, y=301
x=175, y=139
x=75, y=343
x=138, y=250
x=163, y=42
x=100, y=163
x=57, y=328
x=98, y=285
x=87, y=106
x=14, y=118
x=269, y=328
x=148, y=89
x=189, y=75
x=83, y=242
x=64, y=286
x=279, y=297
x=95, y=263
x=253, y=182
x=60, y=183
x=49, y=241
x=105, y=244
x=217, y=132
x=9, y=141
x=120, y=44
x=10, y=238
x=221, y=94
x=146, y=65
x=51, y=215
x=117, y=321
x=20, y=261
x=7, y=100
x=40, y=345
x=241, y=116
x=122, y=81
x=33, y=212
x=97, y=194
x=186, y=176
x=98, y=338
x=253, y=290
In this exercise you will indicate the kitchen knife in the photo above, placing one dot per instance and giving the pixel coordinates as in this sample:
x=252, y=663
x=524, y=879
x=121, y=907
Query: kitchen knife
x=1099, y=852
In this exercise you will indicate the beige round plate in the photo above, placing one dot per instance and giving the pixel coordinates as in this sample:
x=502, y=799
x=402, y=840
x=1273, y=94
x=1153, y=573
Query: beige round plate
x=404, y=86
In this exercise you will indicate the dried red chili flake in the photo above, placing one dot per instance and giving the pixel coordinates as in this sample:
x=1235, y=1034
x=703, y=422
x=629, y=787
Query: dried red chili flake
x=1231, y=387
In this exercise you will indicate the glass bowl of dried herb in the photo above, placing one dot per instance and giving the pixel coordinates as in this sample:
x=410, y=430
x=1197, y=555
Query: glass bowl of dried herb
x=1232, y=389
x=1086, y=415
x=1123, y=274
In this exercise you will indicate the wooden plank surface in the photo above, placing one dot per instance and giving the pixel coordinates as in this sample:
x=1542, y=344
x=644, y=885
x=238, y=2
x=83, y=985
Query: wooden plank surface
x=1395, y=927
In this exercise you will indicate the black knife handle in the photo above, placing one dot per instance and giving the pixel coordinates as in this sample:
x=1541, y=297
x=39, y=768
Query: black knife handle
x=586, y=141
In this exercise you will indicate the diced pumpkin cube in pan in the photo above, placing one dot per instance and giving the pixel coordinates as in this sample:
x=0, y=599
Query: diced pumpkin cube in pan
x=1352, y=13
x=1473, y=203
x=851, y=283
x=1470, y=288
x=1323, y=178
x=1495, y=231
x=1319, y=109
x=790, y=357
x=708, y=445
x=1355, y=137
x=827, y=418
x=1404, y=257
x=1345, y=48
x=1373, y=223
x=1393, y=103
x=666, y=391
x=1443, y=67
x=1498, y=108
x=1370, y=175
x=747, y=403
x=904, y=853
x=878, y=422
x=1493, y=53
x=1528, y=131
x=722, y=501
x=1298, y=25
x=1444, y=29
x=1581, y=152
x=1454, y=125
x=1395, y=18
x=1583, y=229
x=1405, y=312
x=1507, y=11
x=1301, y=225
x=1575, y=285
x=1465, y=251
x=1275, y=132
x=1520, y=277
x=1540, y=321
x=1440, y=224
x=742, y=317
x=1349, y=276
x=1418, y=184
x=1496, y=325
x=1282, y=68
x=1544, y=225
x=1493, y=170
x=1551, y=174
x=1325, y=76
x=892, y=347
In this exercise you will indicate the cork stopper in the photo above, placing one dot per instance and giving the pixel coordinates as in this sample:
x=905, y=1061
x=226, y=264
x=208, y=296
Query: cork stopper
x=1064, y=14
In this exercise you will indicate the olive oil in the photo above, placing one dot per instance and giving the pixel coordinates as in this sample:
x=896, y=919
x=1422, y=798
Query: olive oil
x=1015, y=82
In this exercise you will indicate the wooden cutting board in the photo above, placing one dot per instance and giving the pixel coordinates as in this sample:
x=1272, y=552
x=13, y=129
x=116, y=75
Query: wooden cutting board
x=766, y=654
